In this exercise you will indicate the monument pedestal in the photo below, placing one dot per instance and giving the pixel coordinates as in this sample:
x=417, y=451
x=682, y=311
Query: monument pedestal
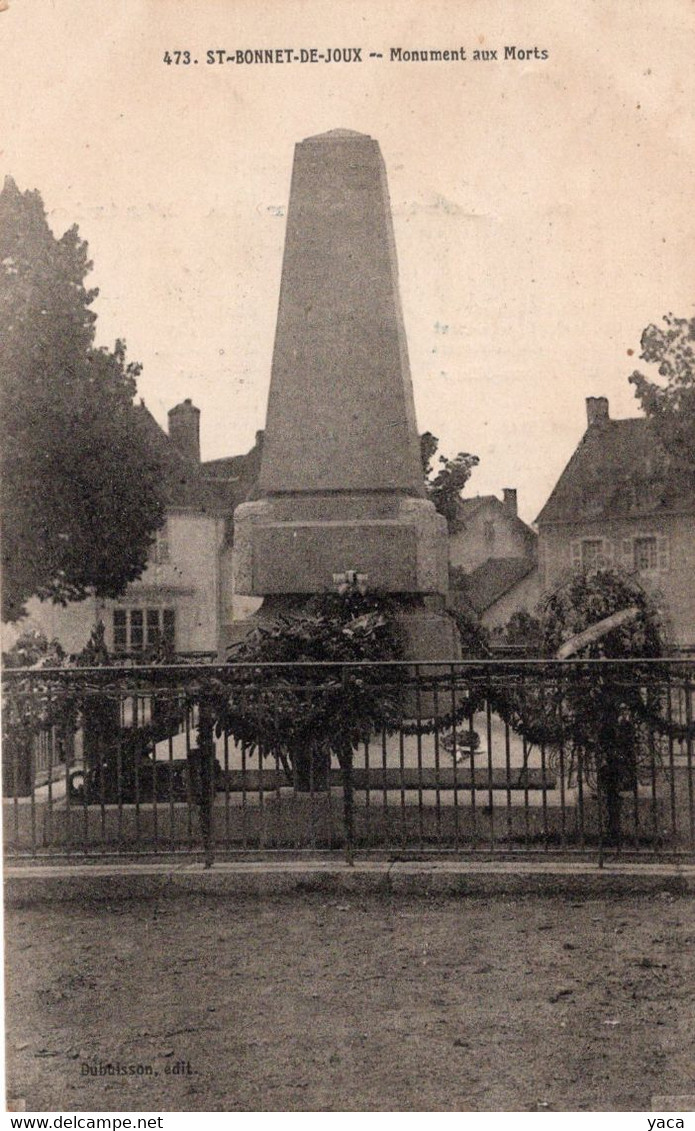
x=298, y=545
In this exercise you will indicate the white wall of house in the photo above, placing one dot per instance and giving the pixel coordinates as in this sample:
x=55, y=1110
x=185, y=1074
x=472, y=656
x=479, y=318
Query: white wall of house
x=667, y=566
x=489, y=533
x=183, y=576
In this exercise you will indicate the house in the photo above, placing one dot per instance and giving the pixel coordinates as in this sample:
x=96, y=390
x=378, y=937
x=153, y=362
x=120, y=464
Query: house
x=493, y=559
x=182, y=598
x=620, y=503
x=232, y=480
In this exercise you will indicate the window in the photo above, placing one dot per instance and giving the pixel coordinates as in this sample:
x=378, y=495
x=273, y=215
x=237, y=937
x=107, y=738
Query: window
x=159, y=548
x=135, y=630
x=489, y=532
x=592, y=553
x=645, y=554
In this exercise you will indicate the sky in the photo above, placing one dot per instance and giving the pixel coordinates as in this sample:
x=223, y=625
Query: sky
x=542, y=207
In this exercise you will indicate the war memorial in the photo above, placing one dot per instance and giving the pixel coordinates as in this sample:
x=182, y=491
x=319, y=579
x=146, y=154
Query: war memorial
x=341, y=486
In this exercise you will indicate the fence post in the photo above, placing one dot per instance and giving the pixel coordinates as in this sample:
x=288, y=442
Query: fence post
x=599, y=806
x=348, y=791
x=348, y=806
x=206, y=791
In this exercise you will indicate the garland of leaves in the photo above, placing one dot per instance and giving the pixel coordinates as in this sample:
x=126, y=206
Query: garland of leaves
x=285, y=708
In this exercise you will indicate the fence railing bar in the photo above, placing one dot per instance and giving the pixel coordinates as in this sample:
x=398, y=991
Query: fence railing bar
x=68, y=804
x=437, y=767
x=325, y=794
x=385, y=792
x=261, y=798
x=491, y=801
x=544, y=797
x=170, y=782
x=689, y=687
x=599, y=818
x=563, y=799
x=401, y=766
x=119, y=793
x=418, y=712
x=654, y=798
x=227, y=814
x=454, y=752
x=367, y=799
x=244, y=814
x=471, y=762
x=580, y=798
x=48, y=827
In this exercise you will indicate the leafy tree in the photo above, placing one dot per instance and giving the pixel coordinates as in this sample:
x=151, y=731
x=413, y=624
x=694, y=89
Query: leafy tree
x=670, y=404
x=444, y=488
x=112, y=750
x=428, y=449
x=305, y=715
x=603, y=721
x=33, y=649
x=522, y=632
x=474, y=637
x=28, y=708
x=80, y=489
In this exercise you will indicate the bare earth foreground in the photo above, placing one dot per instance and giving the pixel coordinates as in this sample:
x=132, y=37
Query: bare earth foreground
x=316, y=1003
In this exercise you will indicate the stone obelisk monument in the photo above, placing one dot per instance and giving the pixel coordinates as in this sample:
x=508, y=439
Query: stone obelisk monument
x=341, y=483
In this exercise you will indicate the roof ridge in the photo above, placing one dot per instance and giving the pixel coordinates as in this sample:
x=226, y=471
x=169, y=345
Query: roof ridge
x=609, y=475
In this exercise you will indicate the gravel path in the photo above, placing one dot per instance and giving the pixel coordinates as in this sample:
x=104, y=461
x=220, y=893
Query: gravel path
x=314, y=1003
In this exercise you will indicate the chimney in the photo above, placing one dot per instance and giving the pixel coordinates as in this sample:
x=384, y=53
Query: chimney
x=509, y=500
x=184, y=429
x=596, y=410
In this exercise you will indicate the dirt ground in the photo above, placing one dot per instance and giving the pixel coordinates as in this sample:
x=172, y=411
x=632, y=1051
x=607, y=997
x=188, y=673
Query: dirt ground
x=317, y=1003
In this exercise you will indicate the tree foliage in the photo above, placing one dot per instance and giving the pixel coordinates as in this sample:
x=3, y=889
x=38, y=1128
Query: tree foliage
x=604, y=722
x=428, y=450
x=444, y=487
x=30, y=706
x=81, y=492
x=36, y=702
x=522, y=633
x=670, y=402
x=304, y=715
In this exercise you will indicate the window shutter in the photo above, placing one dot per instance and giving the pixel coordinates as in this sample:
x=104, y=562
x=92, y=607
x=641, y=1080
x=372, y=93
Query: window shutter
x=608, y=552
x=576, y=554
x=627, y=555
x=663, y=551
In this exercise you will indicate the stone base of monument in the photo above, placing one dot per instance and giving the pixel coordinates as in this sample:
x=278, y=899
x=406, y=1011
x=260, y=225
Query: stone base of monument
x=431, y=641
x=430, y=635
x=284, y=546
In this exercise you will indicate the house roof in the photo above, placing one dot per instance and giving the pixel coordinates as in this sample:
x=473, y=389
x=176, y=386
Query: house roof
x=233, y=479
x=215, y=487
x=618, y=470
x=469, y=507
x=181, y=479
x=491, y=580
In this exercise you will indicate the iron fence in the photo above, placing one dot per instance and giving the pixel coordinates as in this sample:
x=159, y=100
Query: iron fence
x=502, y=757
